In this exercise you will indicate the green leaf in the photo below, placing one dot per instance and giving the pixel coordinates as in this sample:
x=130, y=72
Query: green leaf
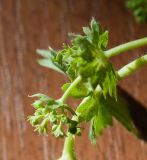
x=139, y=9
x=79, y=91
x=103, y=40
x=44, y=53
x=93, y=32
x=48, y=60
x=37, y=104
x=42, y=97
x=92, y=135
x=102, y=119
x=108, y=108
x=87, y=108
x=120, y=110
x=110, y=82
x=49, y=64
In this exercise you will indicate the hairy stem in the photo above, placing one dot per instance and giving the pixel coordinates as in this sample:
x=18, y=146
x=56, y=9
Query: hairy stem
x=68, y=150
x=73, y=84
x=125, y=47
x=132, y=67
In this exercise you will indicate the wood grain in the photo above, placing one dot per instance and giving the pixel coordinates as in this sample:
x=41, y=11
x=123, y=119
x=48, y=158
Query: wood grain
x=26, y=25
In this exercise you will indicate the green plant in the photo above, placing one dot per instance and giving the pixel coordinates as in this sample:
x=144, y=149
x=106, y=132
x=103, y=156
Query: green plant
x=93, y=79
x=139, y=9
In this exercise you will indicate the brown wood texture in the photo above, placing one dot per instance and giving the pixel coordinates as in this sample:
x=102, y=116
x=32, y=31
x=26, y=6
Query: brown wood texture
x=29, y=24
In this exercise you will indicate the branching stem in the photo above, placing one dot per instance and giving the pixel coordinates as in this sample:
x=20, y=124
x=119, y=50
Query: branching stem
x=73, y=84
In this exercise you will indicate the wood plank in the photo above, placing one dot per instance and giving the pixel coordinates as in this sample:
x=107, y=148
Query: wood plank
x=26, y=25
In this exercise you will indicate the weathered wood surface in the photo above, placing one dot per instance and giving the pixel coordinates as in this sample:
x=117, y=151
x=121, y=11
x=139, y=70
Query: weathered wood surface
x=29, y=24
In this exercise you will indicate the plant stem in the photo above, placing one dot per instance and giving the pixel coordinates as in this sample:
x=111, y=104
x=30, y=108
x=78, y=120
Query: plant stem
x=68, y=150
x=125, y=47
x=132, y=67
x=73, y=84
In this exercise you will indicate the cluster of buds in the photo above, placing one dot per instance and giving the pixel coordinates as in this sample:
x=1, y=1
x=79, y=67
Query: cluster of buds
x=53, y=112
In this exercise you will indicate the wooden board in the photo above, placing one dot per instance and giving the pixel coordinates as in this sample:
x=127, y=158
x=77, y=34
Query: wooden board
x=29, y=24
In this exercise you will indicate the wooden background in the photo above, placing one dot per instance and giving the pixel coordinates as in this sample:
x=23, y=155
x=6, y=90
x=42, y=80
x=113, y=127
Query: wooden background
x=29, y=24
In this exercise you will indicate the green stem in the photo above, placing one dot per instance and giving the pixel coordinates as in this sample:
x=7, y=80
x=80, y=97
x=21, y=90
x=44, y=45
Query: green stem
x=68, y=150
x=132, y=67
x=125, y=47
x=73, y=84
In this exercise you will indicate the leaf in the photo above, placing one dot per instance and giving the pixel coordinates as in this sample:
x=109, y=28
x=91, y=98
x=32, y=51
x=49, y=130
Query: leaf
x=108, y=108
x=49, y=64
x=50, y=53
x=102, y=119
x=103, y=40
x=139, y=9
x=79, y=91
x=94, y=32
x=44, y=53
x=87, y=108
x=48, y=60
x=37, y=104
x=120, y=110
x=92, y=135
x=110, y=82
x=42, y=97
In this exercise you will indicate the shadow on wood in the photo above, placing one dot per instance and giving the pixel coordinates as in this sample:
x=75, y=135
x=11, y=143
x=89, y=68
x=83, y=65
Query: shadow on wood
x=138, y=113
